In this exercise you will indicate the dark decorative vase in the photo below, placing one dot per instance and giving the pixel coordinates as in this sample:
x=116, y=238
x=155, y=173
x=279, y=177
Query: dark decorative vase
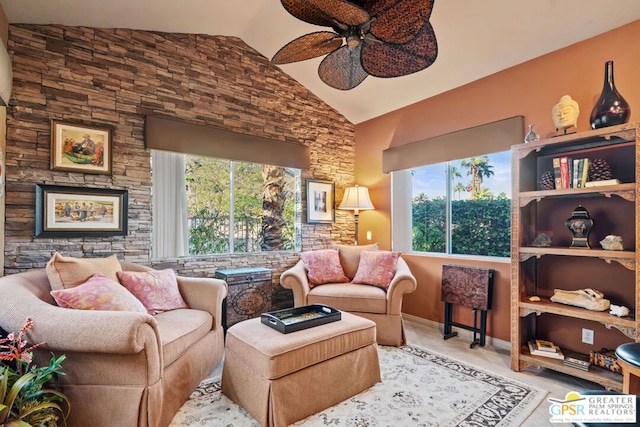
x=580, y=225
x=611, y=108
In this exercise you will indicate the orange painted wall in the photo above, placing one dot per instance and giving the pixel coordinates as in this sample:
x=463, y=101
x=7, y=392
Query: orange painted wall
x=529, y=89
x=425, y=301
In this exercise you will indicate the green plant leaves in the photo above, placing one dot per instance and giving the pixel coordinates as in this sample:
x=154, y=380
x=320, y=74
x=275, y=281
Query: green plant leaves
x=24, y=400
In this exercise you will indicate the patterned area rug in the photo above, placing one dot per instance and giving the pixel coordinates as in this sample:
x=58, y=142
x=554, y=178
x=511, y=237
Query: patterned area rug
x=418, y=388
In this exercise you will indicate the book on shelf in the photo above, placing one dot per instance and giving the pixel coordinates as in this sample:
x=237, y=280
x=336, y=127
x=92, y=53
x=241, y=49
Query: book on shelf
x=576, y=177
x=544, y=345
x=535, y=351
x=585, y=171
x=602, y=183
x=570, y=168
x=583, y=365
x=570, y=173
x=564, y=172
x=580, y=174
x=556, y=173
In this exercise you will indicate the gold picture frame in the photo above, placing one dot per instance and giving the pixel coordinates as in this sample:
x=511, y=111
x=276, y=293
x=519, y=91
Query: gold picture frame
x=80, y=148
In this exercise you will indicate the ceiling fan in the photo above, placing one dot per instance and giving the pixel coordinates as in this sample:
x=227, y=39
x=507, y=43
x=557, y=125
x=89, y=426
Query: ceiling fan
x=382, y=38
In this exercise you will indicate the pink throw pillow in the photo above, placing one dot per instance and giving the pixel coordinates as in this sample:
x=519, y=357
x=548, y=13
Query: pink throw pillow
x=323, y=266
x=157, y=290
x=376, y=268
x=98, y=293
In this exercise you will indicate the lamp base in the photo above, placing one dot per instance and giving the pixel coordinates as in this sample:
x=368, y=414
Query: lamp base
x=356, y=216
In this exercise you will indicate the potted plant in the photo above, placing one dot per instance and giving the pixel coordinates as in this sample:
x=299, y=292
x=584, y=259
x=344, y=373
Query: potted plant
x=25, y=399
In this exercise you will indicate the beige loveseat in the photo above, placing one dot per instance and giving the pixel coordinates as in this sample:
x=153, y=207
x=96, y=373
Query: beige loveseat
x=122, y=368
x=373, y=303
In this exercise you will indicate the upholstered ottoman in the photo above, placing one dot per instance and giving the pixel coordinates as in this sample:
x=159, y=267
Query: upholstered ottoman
x=282, y=378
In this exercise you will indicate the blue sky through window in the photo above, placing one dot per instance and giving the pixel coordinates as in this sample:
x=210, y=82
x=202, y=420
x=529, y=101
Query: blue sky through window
x=430, y=180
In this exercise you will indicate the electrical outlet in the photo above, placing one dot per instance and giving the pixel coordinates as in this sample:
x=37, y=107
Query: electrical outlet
x=587, y=336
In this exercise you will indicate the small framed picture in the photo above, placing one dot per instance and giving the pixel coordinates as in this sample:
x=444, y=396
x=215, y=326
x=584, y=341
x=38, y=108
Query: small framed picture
x=80, y=148
x=321, y=201
x=77, y=212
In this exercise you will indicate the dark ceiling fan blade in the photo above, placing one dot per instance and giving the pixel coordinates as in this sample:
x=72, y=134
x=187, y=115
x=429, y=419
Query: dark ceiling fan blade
x=307, y=47
x=326, y=12
x=341, y=69
x=397, y=21
x=394, y=60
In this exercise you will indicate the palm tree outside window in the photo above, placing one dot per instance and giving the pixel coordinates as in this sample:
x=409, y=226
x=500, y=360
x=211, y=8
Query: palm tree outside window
x=472, y=215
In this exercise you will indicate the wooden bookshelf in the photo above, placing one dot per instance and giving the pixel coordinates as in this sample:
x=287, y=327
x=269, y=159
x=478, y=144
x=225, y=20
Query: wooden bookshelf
x=530, y=265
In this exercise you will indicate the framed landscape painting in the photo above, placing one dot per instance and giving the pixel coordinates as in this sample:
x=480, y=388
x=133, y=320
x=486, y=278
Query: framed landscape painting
x=321, y=200
x=76, y=212
x=80, y=148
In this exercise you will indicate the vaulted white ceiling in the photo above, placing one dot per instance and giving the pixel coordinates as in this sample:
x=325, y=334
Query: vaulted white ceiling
x=476, y=38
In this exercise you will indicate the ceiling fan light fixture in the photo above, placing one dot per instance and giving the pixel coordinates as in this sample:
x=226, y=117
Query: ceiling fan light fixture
x=353, y=36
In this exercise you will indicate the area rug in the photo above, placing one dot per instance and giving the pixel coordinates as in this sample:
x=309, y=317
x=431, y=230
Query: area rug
x=418, y=388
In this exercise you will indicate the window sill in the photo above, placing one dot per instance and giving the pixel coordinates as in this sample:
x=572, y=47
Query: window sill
x=505, y=260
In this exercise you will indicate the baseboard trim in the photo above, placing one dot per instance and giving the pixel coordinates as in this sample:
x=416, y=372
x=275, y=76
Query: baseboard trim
x=494, y=342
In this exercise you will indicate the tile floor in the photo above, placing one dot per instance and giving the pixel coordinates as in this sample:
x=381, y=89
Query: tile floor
x=495, y=358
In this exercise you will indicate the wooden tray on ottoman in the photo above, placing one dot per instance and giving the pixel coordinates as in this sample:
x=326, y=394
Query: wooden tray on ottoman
x=296, y=319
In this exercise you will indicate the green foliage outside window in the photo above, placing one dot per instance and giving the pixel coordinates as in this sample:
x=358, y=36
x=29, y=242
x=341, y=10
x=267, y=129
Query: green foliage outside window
x=209, y=205
x=429, y=225
x=479, y=227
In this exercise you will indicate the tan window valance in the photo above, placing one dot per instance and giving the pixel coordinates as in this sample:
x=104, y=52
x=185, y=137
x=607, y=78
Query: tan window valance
x=479, y=140
x=180, y=137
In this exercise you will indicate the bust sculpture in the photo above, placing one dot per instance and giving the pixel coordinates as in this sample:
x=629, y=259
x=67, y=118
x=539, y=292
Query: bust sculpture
x=565, y=113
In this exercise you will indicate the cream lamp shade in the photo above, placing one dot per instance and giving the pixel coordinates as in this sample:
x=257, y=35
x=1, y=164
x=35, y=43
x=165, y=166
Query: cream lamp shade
x=356, y=199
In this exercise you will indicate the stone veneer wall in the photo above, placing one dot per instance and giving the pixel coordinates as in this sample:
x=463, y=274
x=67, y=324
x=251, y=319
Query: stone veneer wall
x=116, y=77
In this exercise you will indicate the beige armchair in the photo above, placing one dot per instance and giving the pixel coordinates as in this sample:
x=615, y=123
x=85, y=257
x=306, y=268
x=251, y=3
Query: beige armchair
x=384, y=308
x=123, y=368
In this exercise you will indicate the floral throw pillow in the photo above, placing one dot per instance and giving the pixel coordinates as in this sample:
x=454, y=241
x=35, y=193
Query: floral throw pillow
x=376, y=268
x=323, y=266
x=98, y=293
x=157, y=290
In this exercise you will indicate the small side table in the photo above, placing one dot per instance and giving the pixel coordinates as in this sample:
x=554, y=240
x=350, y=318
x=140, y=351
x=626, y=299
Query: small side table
x=249, y=293
x=469, y=287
